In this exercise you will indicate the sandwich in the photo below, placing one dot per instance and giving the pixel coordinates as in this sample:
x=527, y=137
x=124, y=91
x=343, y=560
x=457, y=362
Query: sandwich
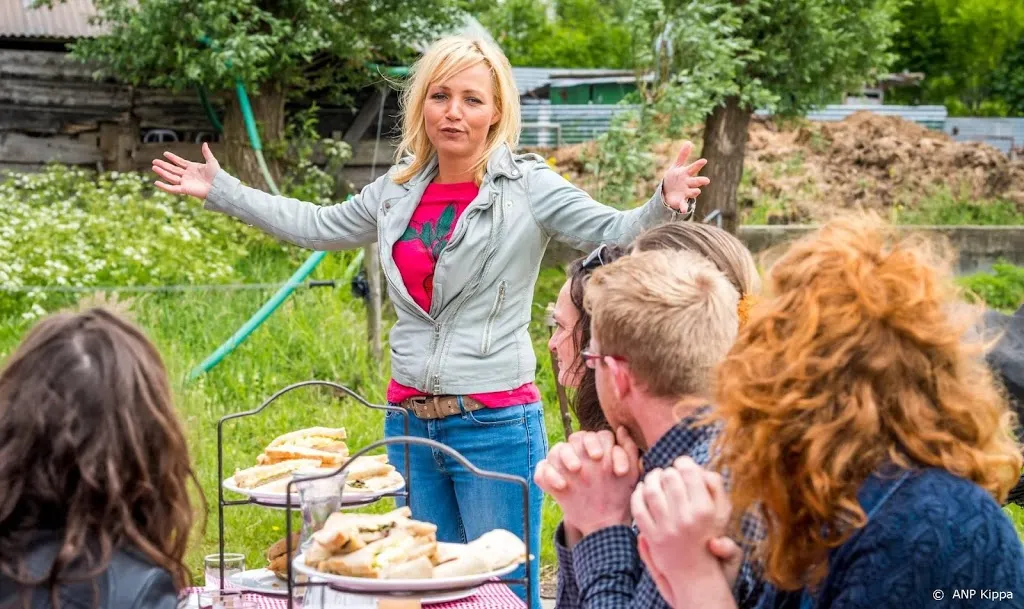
x=491, y=551
x=324, y=443
x=376, y=484
x=372, y=466
x=261, y=475
x=382, y=558
x=346, y=532
x=367, y=476
x=289, y=452
x=447, y=552
x=325, y=438
x=278, y=562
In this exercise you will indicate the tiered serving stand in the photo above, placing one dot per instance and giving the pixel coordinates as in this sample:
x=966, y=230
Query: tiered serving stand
x=379, y=589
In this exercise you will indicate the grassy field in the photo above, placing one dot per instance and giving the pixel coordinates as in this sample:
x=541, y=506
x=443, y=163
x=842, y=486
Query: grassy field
x=316, y=334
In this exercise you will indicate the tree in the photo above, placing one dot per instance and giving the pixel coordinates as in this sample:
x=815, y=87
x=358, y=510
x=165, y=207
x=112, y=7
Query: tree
x=278, y=48
x=582, y=33
x=786, y=56
x=962, y=47
x=1009, y=80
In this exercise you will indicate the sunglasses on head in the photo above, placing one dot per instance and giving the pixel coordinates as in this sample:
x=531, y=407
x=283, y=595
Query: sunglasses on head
x=596, y=258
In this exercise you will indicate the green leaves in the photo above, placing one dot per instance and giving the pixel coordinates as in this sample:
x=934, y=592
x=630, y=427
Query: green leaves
x=582, y=33
x=309, y=44
x=967, y=50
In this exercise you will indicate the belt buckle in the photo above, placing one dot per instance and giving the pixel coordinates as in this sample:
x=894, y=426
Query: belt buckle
x=426, y=407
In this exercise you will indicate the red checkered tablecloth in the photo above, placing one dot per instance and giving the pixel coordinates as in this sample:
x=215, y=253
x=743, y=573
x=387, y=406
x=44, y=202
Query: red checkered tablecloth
x=488, y=596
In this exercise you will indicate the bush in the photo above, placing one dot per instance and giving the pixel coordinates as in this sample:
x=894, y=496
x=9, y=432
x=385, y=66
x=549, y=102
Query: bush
x=1002, y=289
x=73, y=227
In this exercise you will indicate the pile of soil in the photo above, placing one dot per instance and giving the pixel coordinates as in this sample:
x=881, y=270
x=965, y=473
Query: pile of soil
x=805, y=171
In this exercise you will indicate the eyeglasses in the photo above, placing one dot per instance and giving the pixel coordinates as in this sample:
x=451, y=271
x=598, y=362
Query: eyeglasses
x=596, y=258
x=591, y=359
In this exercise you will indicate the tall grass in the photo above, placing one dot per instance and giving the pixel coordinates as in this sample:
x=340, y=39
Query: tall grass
x=316, y=334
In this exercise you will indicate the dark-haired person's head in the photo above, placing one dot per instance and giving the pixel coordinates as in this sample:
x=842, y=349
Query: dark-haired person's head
x=93, y=465
x=572, y=334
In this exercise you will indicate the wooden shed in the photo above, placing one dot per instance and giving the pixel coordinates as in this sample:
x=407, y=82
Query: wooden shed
x=52, y=109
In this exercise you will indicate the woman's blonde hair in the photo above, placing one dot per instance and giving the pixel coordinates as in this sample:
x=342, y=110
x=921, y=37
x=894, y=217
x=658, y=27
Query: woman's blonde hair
x=856, y=359
x=444, y=59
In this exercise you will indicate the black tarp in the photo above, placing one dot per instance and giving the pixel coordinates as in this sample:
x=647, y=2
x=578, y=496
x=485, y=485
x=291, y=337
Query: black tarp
x=1006, y=359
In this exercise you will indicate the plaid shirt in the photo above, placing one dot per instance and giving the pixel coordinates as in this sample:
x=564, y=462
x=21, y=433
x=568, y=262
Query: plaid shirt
x=604, y=570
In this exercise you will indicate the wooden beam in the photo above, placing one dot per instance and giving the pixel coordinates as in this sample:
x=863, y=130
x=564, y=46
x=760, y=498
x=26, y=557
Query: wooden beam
x=54, y=119
x=79, y=94
x=374, y=304
x=49, y=65
x=75, y=150
x=367, y=116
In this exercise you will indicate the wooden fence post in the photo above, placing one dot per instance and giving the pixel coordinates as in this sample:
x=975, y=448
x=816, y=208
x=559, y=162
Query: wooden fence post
x=371, y=262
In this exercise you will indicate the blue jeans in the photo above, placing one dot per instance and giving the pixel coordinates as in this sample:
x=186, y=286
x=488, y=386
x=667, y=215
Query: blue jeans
x=464, y=506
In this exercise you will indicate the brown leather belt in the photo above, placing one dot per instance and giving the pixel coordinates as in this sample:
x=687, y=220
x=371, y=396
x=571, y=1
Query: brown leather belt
x=440, y=406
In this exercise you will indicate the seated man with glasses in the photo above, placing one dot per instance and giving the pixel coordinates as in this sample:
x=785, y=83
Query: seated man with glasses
x=660, y=323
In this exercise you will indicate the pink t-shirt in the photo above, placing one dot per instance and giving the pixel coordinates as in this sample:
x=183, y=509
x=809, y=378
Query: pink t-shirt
x=415, y=254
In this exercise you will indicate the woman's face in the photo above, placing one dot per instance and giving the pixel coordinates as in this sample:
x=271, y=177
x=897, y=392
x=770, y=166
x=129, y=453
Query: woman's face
x=563, y=342
x=459, y=113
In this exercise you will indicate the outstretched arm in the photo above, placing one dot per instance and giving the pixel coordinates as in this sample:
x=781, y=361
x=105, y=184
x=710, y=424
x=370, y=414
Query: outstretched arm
x=570, y=215
x=318, y=227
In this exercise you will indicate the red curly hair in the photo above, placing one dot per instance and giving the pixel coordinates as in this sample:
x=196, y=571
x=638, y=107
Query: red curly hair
x=855, y=358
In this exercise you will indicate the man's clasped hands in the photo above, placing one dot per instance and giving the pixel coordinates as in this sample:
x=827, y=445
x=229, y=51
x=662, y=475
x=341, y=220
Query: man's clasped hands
x=681, y=512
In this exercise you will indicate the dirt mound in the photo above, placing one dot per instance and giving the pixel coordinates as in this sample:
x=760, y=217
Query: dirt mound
x=808, y=171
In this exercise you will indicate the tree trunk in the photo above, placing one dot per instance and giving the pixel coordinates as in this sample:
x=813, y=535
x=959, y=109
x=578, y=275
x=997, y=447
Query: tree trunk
x=725, y=142
x=268, y=110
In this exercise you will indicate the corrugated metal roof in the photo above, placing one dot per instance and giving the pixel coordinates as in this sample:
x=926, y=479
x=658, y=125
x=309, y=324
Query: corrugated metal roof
x=532, y=79
x=1006, y=134
x=66, y=20
x=572, y=123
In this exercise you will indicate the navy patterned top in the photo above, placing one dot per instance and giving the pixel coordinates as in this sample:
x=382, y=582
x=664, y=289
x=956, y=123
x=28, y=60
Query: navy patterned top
x=932, y=541
x=604, y=570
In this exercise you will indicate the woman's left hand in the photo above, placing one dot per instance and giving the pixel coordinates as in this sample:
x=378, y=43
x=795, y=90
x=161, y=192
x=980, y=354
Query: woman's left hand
x=681, y=182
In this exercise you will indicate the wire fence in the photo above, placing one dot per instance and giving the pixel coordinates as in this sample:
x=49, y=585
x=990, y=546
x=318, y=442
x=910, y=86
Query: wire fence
x=83, y=289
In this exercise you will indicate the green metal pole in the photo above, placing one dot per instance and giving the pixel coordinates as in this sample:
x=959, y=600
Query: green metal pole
x=259, y=317
x=297, y=277
x=210, y=113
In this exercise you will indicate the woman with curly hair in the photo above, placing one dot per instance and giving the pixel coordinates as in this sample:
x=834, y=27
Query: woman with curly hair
x=865, y=428
x=572, y=322
x=94, y=469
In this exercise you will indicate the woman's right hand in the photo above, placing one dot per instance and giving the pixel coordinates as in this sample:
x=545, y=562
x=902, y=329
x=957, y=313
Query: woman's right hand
x=185, y=177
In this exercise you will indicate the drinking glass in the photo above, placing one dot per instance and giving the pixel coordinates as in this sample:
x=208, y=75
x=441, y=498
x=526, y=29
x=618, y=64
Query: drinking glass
x=318, y=500
x=233, y=563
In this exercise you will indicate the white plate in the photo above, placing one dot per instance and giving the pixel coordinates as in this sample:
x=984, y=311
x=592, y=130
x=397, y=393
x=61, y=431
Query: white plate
x=262, y=581
x=365, y=584
x=348, y=497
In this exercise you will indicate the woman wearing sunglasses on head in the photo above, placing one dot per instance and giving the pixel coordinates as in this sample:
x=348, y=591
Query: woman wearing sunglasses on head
x=462, y=222
x=572, y=323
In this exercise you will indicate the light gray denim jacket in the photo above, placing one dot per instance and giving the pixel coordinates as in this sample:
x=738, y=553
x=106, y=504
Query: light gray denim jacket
x=474, y=338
